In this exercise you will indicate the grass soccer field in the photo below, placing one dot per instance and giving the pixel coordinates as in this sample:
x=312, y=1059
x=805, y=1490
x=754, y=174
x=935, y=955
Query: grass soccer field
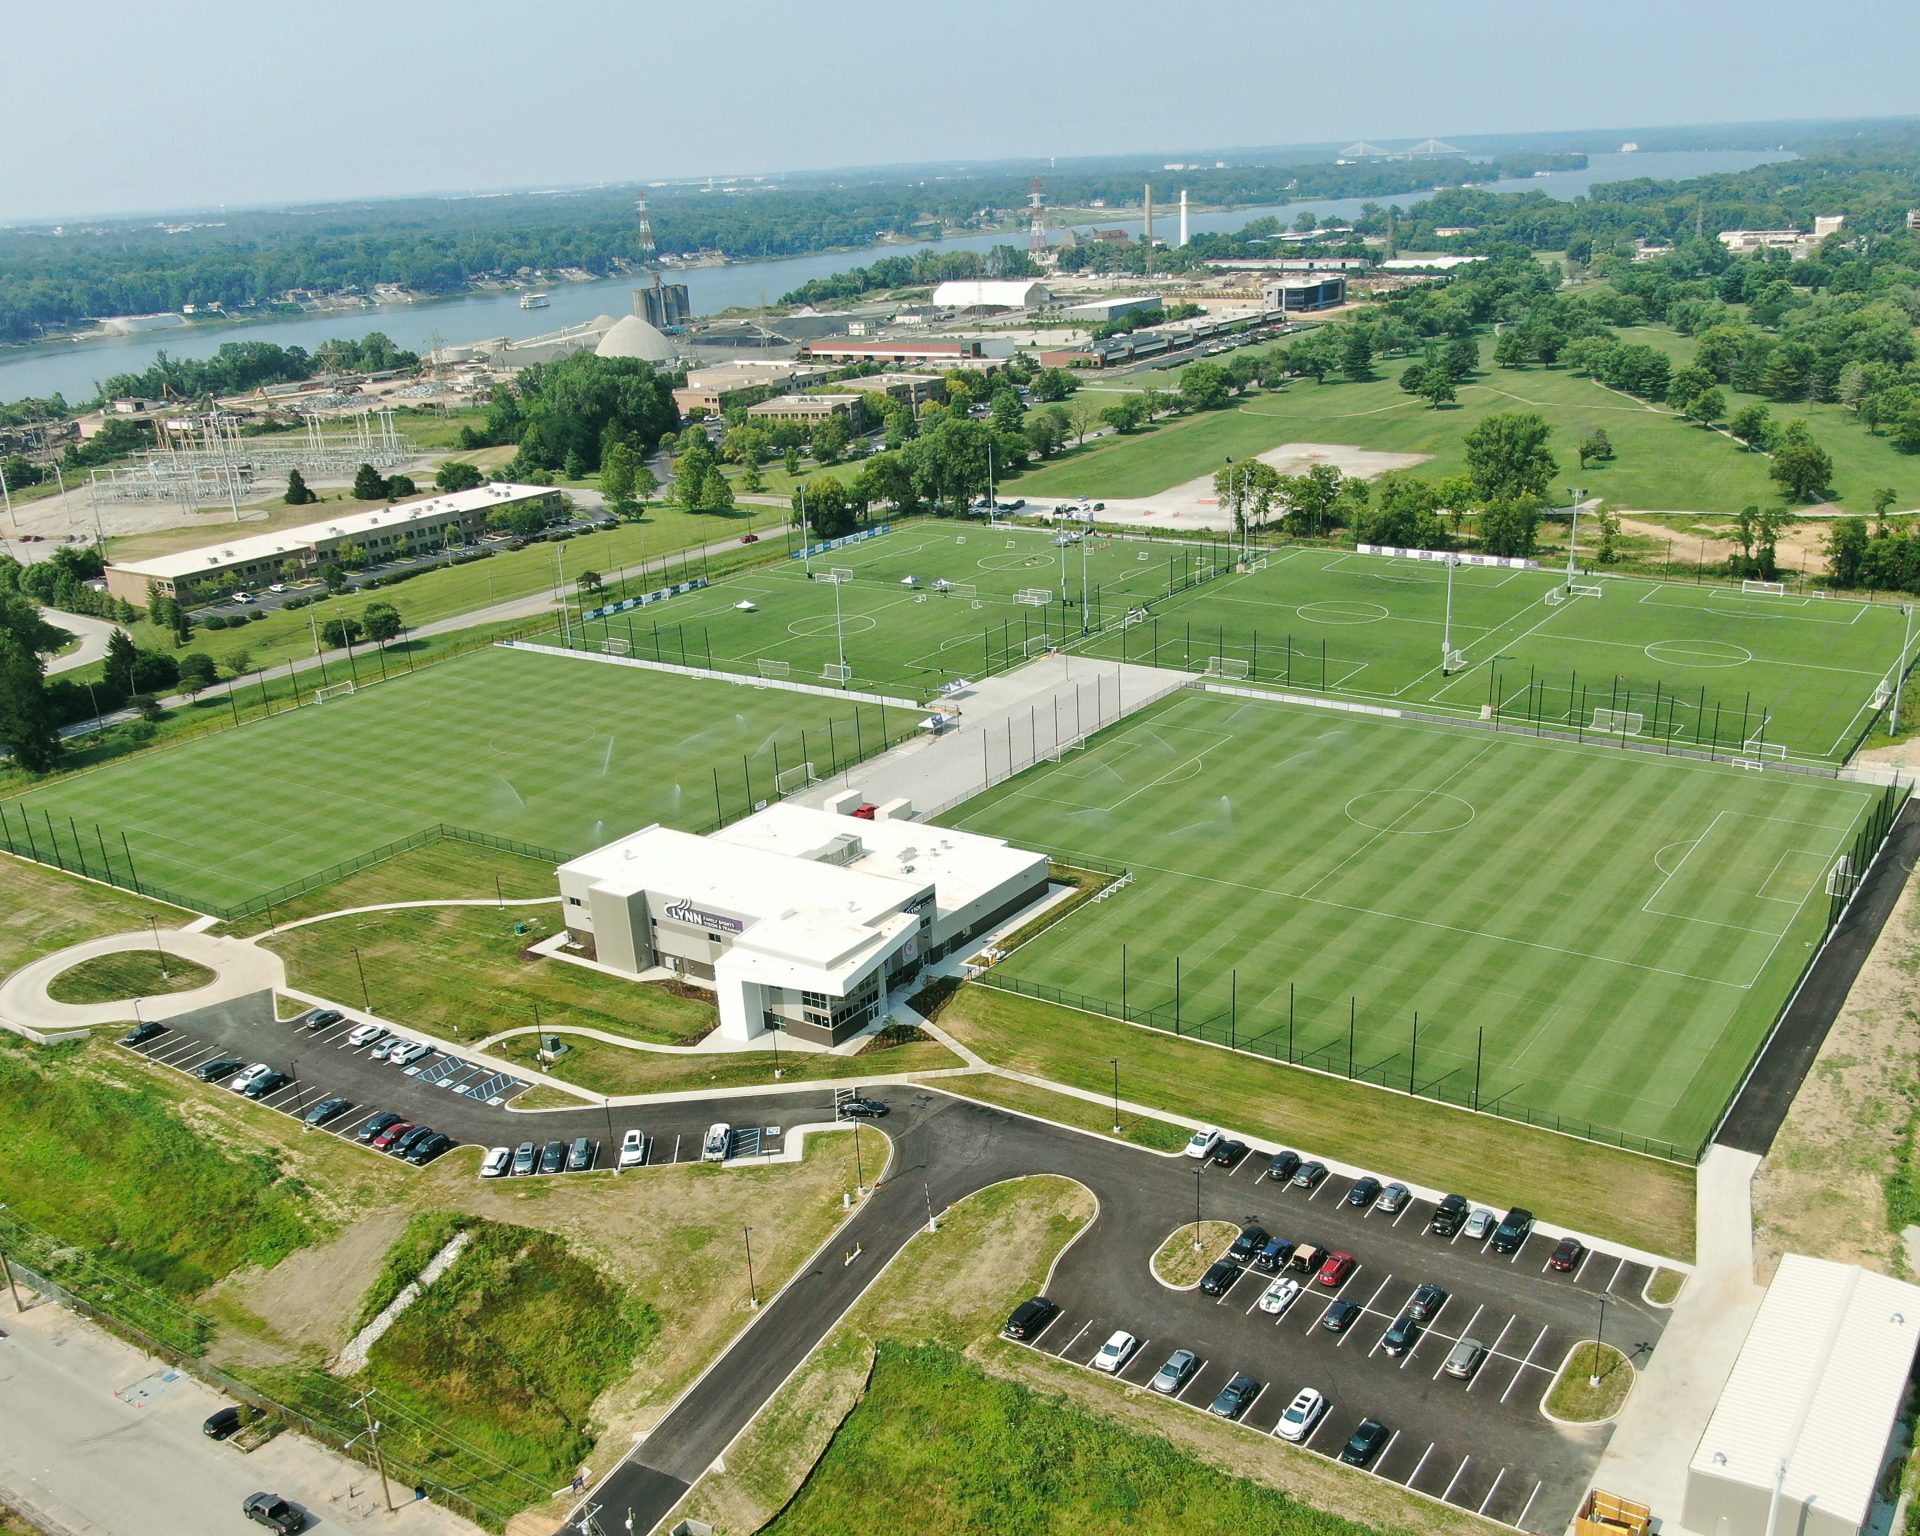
x=1758, y=674
x=556, y=751
x=1622, y=928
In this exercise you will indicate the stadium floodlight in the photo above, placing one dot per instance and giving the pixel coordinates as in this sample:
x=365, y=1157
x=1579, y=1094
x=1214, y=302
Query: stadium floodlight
x=1447, y=652
x=838, y=578
x=1574, y=493
x=1900, y=676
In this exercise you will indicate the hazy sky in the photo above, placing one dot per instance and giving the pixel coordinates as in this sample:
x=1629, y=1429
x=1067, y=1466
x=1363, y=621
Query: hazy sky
x=197, y=102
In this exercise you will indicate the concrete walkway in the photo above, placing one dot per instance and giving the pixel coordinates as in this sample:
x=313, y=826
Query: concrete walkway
x=93, y=635
x=239, y=966
x=1668, y=1411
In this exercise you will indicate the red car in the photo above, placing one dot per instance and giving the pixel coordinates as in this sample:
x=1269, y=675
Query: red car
x=1568, y=1255
x=864, y=812
x=1336, y=1269
x=391, y=1134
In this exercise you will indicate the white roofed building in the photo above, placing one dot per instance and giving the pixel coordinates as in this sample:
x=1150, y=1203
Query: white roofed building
x=800, y=920
x=985, y=296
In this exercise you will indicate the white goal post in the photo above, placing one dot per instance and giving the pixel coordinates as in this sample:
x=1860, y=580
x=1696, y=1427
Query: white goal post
x=1618, y=722
x=787, y=780
x=1841, y=879
x=1556, y=596
x=614, y=646
x=772, y=668
x=1585, y=589
x=1753, y=746
x=1034, y=597
x=1765, y=588
x=840, y=573
x=332, y=691
x=836, y=672
x=1257, y=563
x=1226, y=666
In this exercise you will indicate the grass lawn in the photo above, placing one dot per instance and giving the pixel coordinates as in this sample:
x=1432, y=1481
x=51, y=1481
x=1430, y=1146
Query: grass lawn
x=1665, y=1286
x=1066, y=1109
x=1590, y=940
x=130, y=973
x=1189, y=1252
x=542, y=749
x=1495, y=1162
x=443, y=870
x=46, y=910
x=617, y=1071
x=1573, y=1397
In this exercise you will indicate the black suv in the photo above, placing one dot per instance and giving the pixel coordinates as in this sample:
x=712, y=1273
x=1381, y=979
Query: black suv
x=1030, y=1317
x=1450, y=1216
x=1428, y=1299
x=553, y=1157
x=212, y=1071
x=1218, y=1280
x=1246, y=1247
x=1402, y=1335
x=1365, y=1443
x=143, y=1032
x=376, y=1125
x=1514, y=1229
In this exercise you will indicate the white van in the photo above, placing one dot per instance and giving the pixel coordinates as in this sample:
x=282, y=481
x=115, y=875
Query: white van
x=719, y=1138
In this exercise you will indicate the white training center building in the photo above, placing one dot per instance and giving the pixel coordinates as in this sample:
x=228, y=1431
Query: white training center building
x=800, y=920
x=1803, y=1429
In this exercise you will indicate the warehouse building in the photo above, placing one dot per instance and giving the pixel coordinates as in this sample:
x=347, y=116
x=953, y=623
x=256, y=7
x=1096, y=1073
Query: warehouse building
x=1804, y=1427
x=941, y=351
x=1305, y=291
x=992, y=296
x=385, y=533
x=1097, y=311
x=800, y=920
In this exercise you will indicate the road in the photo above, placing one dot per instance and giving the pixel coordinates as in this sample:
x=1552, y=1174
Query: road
x=1496, y=1451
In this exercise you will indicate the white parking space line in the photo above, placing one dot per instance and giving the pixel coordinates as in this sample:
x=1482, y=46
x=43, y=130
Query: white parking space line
x=1385, y=1451
x=1318, y=1187
x=1521, y=1523
x=1447, y=1497
x=1319, y=1424
x=1398, y=1217
x=1076, y=1338
x=1585, y=1260
x=676, y=1149
x=1415, y=1473
x=1523, y=1366
x=1248, y=1412
x=1491, y=1491
x=1235, y=1169
x=1187, y=1385
x=1607, y=1289
x=1494, y=1352
x=1260, y=1293
x=1465, y=1333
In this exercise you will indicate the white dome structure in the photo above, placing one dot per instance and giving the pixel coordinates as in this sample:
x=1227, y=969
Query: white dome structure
x=633, y=337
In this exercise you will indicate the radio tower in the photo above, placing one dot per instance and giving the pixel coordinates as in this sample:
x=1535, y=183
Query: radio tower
x=1037, y=237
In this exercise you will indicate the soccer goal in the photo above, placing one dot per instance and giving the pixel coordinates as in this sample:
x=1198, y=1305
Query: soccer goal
x=614, y=646
x=1753, y=746
x=1456, y=661
x=1036, y=645
x=1765, y=588
x=963, y=589
x=1134, y=616
x=787, y=780
x=332, y=691
x=775, y=669
x=1141, y=556
x=840, y=573
x=1034, y=597
x=1841, y=879
x=1556, y=596
x=1226, y=666
x=1585, y=589
x=836, y=672
x=1618, y=722
x=1257, y=563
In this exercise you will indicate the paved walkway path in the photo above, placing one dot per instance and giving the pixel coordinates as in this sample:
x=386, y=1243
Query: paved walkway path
x=93, y=635
x=239, y=966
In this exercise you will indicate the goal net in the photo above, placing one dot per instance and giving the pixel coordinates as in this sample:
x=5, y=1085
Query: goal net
x=1841, y=879
x=1765, y=588
x=840, y=573
x=787, y=780
x=332, y=691
x=1618, y=722
x=1585, y=589
x=1036, y=645
x=1456, y=660
x=770, y=668
x=956, y=588
x=1556, y=597
x=1034, y=597
x=1257, y=563
x=614, y=646
x=1753, y=746
x=1226, y=666
x=836, y=672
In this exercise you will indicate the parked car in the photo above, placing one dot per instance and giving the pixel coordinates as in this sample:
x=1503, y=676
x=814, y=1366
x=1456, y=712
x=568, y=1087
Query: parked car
x=1218, y=1280
x=1116, y=1352
x=719, y=1140
x=1172, y=1376
x=553, y=1157
x=1364, y=1192
x=1365, y=1443
x=321, y=1018
x=274, y=1512
x=387, y=1047
x=1567, y=1254
x=1247, y=1246
x=1273, y=1258
x=1030, y=1317
x=1309, y=1175
x=227, y=1421
x=1449, y=1216
x=1236, y=1397
x=428, y=1147
x=860, y=1109
x=1340, y=1316
x=266, y=1083
x=1394, y=1198
x=1307, y=1259
x=1335, y=1271
x=1280, y=1295
x=526, y=1157
x=633, y=1150
x=385, y=1140
x=1402, y=1336
x=580, y=1155
x=366, y=1034
x=1227, y=1154
x=496, y=1163
x=143, y=1032
x=377, y=1126
x=1514, y=1229
x=219, y=1067
x=245, y=1080
x=408, y=1052
x=1479, y=1224
x=326, y=1109
x=1464, y=1358
x=749, y=538
x=1201, y=1143
x=1302, y=1415
x=1282, y=1166
x=1428, y=1299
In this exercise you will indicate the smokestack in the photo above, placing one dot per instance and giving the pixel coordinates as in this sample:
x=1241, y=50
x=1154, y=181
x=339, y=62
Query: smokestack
x=1149, y=229
x=1183, y=215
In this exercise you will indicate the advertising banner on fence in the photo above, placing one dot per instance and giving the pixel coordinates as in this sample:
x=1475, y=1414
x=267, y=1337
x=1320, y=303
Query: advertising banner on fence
x=645, y=599
x=1506, y=562
x=832, y=544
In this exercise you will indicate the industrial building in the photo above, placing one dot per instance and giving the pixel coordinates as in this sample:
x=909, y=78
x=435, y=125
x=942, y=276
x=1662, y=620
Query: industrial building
x=938, y=350
x=808, y=409
x=1098, y=311
x=800, y=920
x=992, y=296
x=1804, y=1427
x=715, y=389
x=385, y=533
x=664, y=306
x=1305, y=291
x=915, y=389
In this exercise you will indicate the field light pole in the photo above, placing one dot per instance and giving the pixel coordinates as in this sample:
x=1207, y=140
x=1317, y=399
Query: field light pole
x=1574, y=493
x=1197, y=1244
x=1446, y=627
x=1900, y=678
x=1116, y=1094
x=753, y=1293
x=154, y=924
x=1594, y=1379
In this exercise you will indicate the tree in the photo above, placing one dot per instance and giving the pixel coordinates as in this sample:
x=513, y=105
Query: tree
x=382, y=624
x=1204, y=387
x=1801, y=467
x=121, y=656
x=400, y=486
x=27, y=725
x=792, y=460
x=1412, y=377
x=198, y=672
x=1310, y=499
x=1436, y=387
x=298, y=493
x=1608, y=518
x=334, y=576
x=617, y=477
x=1707, y=407
x=368, y=484
x=1883, y=500
x=1051, y=384
x=1847, y=550
x=830, y=439
x=690, y=472
x=1510, y=525
x=1083, y=418
x=1356, y=353
x=240, y=662
x=458, y=475
x=829, y=508
x=1125, y=415
x=591, y=582
x=1753, y=425
x=752, y=481
x=1507, y=456
x=341, y=632
x=1461, y=358
x=1595, y=445
x=716, y=495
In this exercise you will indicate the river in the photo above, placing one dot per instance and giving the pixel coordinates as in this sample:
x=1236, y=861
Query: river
x=75, y=369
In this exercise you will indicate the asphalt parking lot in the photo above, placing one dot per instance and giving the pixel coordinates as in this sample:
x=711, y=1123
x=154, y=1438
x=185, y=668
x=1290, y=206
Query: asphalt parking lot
x=1480, y=1444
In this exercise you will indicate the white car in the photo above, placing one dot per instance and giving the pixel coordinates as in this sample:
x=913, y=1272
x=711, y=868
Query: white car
x=1479, y=1225
x=366, y=1034
x=1202, y=1142
x=278, y=586
x=386, y=1048
x=719, y=1138
x=1303, y=1413
x=496, y=1163
x=407, y=1051
x=1116, y=1352
x=633, y=1150
x=1280, y=1295
x=248, y=1078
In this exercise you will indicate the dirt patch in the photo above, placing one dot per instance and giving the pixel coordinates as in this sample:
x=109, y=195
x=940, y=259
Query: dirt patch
x=1194, y=504
x=1822, y=1188
x=1800, y=547
x=311, y=1298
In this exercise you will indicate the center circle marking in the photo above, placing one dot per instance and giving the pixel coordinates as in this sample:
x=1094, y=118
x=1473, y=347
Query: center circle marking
x=1409, y=812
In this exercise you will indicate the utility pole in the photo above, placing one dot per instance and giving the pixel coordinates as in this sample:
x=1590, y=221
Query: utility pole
x=1574, y=492
x=753, y=1294
x=1446, y=627
x=1115, y=1060
x=1900, y=679
x=154, y=924
x=7, y=1269
x=373, y=1439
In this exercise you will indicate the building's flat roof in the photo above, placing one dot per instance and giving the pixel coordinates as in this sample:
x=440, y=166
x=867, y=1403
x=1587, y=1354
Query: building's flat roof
x=287, y=542
x=1817, y=1386
x=739, y=375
